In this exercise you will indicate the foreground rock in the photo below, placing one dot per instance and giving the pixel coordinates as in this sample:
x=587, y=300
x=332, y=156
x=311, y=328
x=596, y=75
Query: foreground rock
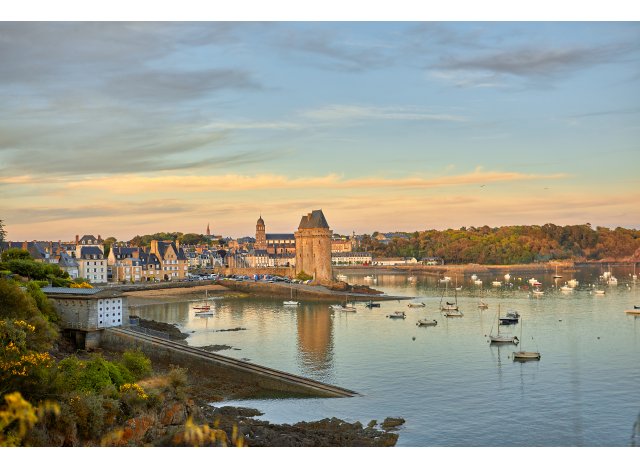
x=329, y=432
x=164, y=329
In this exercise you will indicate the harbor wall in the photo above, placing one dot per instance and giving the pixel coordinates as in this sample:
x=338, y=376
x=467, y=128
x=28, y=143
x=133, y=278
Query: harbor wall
x=216, y=366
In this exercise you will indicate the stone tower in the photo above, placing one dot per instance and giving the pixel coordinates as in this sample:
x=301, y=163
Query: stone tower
x=261, y=236
x=313, y=247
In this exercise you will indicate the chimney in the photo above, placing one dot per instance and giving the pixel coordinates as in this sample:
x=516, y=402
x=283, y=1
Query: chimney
x=99, y=238
x=154, y=246
x=77, y=239
x=177, y=245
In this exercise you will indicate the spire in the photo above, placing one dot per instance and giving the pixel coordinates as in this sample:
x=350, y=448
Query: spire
x=208, y=230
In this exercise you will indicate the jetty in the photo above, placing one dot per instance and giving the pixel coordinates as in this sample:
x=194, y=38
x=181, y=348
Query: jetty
x=304, y=291
x=218, y=366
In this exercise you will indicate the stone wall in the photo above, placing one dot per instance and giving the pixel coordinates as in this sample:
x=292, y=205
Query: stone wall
x=313, y=253
x=119, y=340
x=279, y=271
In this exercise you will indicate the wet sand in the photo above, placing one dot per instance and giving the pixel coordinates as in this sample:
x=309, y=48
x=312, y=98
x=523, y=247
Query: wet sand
x=175, y=291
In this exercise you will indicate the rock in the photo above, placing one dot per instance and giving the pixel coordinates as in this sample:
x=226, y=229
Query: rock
x=391, y=423
x=372, y=423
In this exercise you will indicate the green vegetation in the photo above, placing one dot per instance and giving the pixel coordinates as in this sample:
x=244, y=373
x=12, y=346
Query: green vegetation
x=21, y=264
x=183, y=238
x=511, y=245
x=302, y=276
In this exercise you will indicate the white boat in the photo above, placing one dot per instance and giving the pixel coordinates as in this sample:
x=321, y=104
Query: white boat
x=534, y=282
x=205, y=307
x=291, y=302
x=525, y=355
x=474, y=277
x=633, y=311
x=566, y=288
x=449, y=306
x=411, y=278
x=507, y=277
x=498, y=338
x=426, y=322
x=445, y=279
x=572, y=283
x=496, y=283
x=204, y=314
x=343, y=308
x=416, y=304
x=397, y=315
x=478, y=282
x=598, y=292
x=453, y=313
x=341, y=277
x=613, y=281
x=537, y=292
x=556, y=275
x=368, y=278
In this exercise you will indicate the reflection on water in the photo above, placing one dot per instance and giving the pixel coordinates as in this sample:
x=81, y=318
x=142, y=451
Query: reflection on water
x=447, y=381
x=315, y=340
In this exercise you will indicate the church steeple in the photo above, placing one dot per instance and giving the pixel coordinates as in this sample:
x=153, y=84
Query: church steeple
x=261, y=236
x=208, y=231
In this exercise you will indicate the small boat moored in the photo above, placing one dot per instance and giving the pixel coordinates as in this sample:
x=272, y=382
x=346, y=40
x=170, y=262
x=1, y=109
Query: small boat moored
x=633, y=311
x=397, y=315
x=426, y=322
x=416, y=304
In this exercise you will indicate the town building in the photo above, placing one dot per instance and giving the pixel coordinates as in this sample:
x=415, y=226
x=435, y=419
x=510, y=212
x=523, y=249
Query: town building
x=86, y=312
x=394, y=261
x=125, y=264
x=313, y=247
x=342, y=244
x=69, y=264
x=273, y=243
x=174, y=264
x=89, y=254
x=352, y=257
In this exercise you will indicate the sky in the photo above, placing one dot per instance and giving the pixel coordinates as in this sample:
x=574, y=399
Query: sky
x=129, y=128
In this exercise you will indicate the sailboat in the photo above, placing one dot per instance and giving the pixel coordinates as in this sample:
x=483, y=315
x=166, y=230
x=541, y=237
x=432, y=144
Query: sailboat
x=556, y=275
x=525, y=355
x=291, y=303
x=449, y=306
x=205, y=307
x=482, y=305
x=502, y=338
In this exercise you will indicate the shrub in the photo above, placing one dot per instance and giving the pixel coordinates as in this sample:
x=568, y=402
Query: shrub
x=137, y=363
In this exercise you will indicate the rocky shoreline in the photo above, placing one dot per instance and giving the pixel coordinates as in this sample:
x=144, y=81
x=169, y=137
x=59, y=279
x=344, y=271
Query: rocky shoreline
x=202, y=392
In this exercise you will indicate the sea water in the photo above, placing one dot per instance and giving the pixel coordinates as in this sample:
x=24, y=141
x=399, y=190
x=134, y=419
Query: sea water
x=448, y=382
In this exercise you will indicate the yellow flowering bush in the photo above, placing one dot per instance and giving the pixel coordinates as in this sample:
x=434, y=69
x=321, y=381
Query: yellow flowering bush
x=81, y=285
x=18, y=416
x=135, y=388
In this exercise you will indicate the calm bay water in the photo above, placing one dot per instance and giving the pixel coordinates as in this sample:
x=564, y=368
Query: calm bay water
x=451, y=386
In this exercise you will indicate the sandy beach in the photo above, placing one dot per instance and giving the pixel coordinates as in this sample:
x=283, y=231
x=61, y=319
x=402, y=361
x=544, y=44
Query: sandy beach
x=175, y=291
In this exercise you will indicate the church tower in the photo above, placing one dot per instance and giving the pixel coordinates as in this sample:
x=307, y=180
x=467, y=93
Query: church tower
x=261, y=236
x=208, y=231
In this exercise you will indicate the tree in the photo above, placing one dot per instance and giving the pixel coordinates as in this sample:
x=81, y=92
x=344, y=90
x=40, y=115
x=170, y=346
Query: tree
x=15, y=253
x=3, y=232
x=107, y=245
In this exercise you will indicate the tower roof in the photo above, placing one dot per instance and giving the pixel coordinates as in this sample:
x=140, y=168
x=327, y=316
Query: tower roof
x=260, y=221
x=314, y=219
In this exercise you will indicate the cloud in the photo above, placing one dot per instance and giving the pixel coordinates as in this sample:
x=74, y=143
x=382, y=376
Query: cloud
x=170, y=86
x=353, y=112
x=535, y=62
x=331, y=48
x=136, y=184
